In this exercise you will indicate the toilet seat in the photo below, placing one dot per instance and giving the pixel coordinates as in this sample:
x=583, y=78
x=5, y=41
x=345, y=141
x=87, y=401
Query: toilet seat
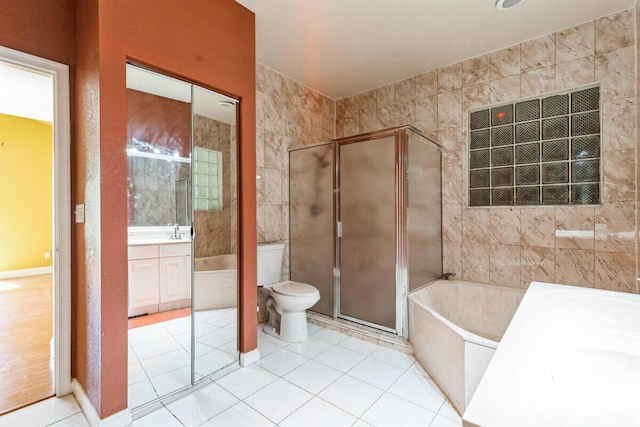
x=294, y=289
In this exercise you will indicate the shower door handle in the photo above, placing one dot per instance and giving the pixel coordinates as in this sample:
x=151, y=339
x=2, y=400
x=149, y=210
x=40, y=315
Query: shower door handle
x=193, y=231
x=339, y=229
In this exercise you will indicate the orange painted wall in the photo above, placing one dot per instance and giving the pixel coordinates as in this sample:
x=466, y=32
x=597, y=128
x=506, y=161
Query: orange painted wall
x=211, y=43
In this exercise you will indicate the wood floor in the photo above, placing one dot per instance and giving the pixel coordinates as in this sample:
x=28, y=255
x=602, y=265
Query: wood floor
x=26, y=330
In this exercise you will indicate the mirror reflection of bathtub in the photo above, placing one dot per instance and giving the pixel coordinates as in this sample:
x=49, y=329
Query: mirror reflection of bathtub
x=215, y=282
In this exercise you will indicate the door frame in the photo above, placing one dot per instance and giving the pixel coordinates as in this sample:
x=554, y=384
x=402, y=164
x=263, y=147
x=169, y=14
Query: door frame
x=61, y=190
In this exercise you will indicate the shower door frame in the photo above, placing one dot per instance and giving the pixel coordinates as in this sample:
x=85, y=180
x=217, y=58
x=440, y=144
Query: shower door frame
x=400, y=173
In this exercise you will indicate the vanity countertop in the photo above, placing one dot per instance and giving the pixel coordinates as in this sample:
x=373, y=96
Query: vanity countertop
x=164, y=240
x=570, y=357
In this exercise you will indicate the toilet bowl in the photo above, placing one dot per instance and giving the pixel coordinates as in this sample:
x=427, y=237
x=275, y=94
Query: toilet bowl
x=288, y=301
x=287, y=305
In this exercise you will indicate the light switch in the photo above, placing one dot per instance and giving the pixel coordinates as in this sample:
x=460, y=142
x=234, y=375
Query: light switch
x=79, y=214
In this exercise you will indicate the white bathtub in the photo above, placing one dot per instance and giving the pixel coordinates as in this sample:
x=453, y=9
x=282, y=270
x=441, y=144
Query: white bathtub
x=215, y=282
x=455, y=327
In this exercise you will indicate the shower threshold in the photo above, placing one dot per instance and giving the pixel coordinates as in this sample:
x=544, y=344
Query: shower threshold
x=363, y=332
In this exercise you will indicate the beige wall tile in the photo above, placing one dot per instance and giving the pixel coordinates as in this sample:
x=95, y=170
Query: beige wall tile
x=619, y=125
x=368, y=122
x=405, y=91
x=615, y=227
x=615, y=271
x=367, y=102
x=538, y=81
x=475, y=70
x=427, y=113
x=504, y=90
x=536, y=264
x=618, y=175
x=538, y=53
x=475, y=262
x=616, y=72
x=504, y=63
x=454, y=146
x=575, y=267
x=426, y=84
x=475, y=225
x=450, y=109
x=504, y=226
x=272, y=113
x=259, y=148
x=575, y=42
x=537, y=227
x=575, y=73
x=452, y=222
x=452, y=184
x=452, y=258
x=475, y=97
x=315, y=102
x=351, y=126
x=505, y=266
x=275, y=152
x=615, y=31
x=450, y=78
x=385, y=96
x=575, y=227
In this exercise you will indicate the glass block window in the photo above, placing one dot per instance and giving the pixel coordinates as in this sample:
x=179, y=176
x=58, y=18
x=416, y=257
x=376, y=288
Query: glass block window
x=543, y=151
x=207, y=176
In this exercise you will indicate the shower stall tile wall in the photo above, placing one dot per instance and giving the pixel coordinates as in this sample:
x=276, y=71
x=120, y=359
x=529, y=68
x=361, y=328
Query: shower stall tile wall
x=512, y=246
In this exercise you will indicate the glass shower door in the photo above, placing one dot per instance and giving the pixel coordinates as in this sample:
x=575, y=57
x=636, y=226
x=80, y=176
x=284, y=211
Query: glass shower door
x=367, y=215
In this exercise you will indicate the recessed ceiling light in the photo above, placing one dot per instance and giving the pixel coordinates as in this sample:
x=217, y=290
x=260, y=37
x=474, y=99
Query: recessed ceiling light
x=506, y=4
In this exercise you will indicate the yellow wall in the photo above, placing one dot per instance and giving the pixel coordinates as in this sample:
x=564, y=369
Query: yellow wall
x=25, y=192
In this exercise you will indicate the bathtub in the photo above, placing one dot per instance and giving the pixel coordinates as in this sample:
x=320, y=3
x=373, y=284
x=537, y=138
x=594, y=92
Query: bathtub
x=455, y=327
x=215, y=282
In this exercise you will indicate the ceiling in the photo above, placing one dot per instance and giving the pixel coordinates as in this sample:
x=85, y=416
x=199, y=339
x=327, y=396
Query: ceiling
x=25, y=93
x=345, y=47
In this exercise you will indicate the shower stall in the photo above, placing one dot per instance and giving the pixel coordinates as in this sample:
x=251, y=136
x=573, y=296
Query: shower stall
x=365, y=223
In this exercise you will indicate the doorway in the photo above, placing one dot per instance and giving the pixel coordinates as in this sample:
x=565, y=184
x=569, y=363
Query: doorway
x=35, y=310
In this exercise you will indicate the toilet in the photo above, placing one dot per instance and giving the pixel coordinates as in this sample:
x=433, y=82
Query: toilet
x=288, y=301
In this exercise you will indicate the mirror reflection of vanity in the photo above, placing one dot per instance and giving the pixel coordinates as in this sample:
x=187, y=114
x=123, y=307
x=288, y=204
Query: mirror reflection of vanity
x=182, y=232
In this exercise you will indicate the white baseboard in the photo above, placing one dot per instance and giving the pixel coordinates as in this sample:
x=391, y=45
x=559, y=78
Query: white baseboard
x=250, y=357
x=119, y=419
x=12, y=274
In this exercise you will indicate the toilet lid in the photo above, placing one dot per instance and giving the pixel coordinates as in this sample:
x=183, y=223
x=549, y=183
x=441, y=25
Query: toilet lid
x=294, y=289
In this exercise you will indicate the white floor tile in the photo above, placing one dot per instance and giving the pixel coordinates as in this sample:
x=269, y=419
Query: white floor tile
x=312, y=328
x=311, y=348
x=278, y=400
x=202, y=328
x=313, y=376
x=340, y=358
x=351, y=395
x=239, y=415
x=417, y=368
x=391, y=411
x=231, y=347
x=318, y=413
x=247, y=380
x=282, y=361
x=178, y=326
x=223, y=320
x=136, y=373
x=267, y=347
x=376, y=373
x=419, y=390
x=172, y=381
x=217, y=338
x=141, y=393
x=160, y=417
x=359, y=346
x=77, y=420
x=330, y=336
x=262, y=336
x=202, y=405
x=361, y=423
x=152, y=347
x=393, y=357
x=441, y=421
x=42, y=413
x=447, y=411
x=213, y=361
x=167, y=362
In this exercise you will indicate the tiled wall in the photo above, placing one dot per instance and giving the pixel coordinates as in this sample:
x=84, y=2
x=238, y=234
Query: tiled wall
x=289, y=115
x=591, y=246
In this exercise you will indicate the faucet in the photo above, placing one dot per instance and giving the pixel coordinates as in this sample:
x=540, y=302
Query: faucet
x=446, y=276
x=176, y=232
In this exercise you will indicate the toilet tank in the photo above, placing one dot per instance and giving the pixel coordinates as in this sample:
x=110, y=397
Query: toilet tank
x=270, y=263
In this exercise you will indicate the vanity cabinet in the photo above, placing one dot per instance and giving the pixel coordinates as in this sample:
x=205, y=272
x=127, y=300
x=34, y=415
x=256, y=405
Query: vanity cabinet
x=159, y=277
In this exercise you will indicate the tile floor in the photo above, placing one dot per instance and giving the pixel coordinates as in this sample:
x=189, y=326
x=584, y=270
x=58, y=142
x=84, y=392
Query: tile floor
x=330, y=380
x=160, y=353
